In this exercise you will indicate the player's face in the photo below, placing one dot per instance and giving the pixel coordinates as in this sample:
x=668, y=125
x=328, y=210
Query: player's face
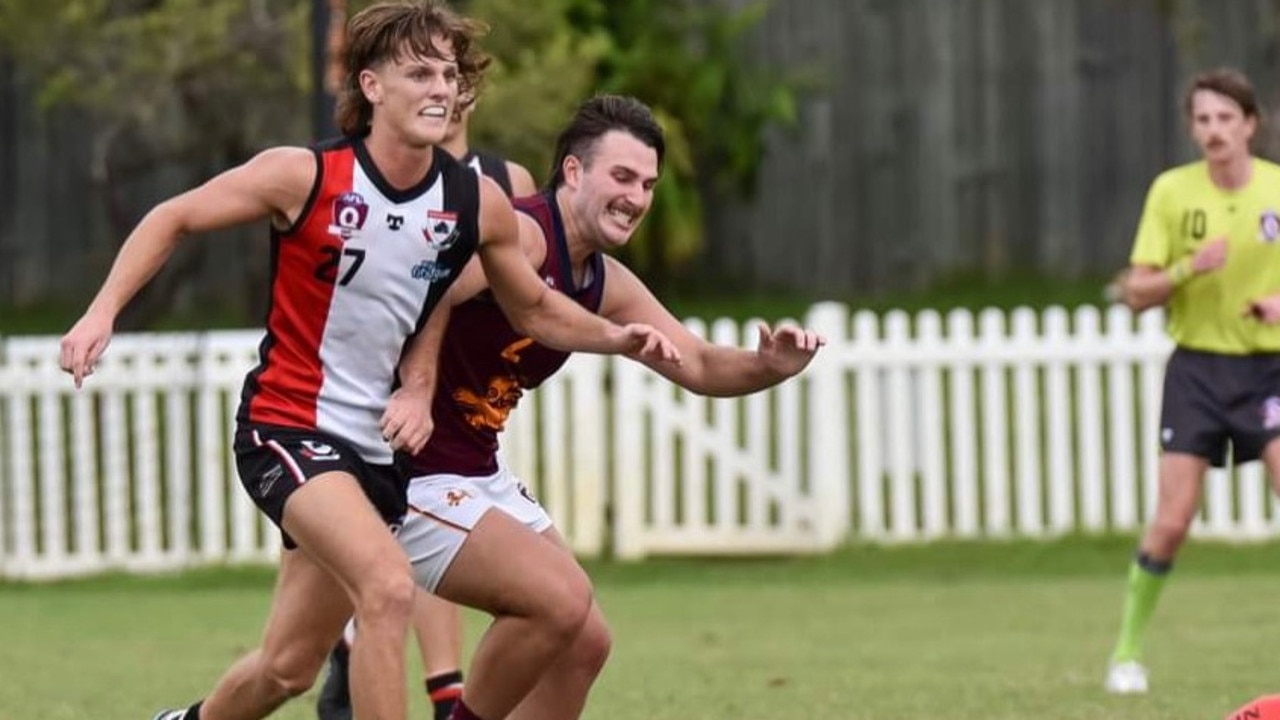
x=615, y=191
x=1219, y=126
x=413, y=96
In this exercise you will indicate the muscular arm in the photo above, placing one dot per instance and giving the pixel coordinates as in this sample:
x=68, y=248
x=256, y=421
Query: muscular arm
x=706, y=368
x=273, y=184
x=407, y=423
x=536, y=310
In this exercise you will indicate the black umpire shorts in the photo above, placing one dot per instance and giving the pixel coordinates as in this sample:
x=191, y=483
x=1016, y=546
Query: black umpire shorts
x=275, y=461
x=1211, y=399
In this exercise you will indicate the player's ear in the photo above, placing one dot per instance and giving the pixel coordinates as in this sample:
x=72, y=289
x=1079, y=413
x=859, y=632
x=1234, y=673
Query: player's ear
x=371, y=86
x=572, y=168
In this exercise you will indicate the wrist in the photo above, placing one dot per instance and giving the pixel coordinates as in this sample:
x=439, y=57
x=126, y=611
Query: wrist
x=1181, y=271
x=415, y=380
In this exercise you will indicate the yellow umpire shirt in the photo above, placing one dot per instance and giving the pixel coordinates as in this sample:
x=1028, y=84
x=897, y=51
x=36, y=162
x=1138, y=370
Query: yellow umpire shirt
x=1185, y=209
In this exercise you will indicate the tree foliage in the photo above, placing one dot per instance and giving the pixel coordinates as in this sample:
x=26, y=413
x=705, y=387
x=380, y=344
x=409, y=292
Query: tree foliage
x=690, y=61
x=543, y=67
x=174, y=89
x=188, y=80
x=202, y=84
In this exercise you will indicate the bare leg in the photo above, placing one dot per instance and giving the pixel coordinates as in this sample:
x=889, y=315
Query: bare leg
x=307, y=614
x=331, y=519
x=539, y=597
x=562, y=692
x=438, y=626
x=1271, y=458
x=1180, y=483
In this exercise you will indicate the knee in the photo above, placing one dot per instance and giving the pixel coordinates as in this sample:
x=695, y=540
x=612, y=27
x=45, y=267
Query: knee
x=591, y=647
x=1165, y=536
x=386, y=596
x=567, y=608
x=292, y=671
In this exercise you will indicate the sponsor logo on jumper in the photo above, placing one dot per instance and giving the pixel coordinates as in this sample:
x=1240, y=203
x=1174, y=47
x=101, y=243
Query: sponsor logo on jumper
x=1271, y=413
x=1268, y=226
x=431, y=271
x=350, y=212
x=318, y=451
x=441, y=231
x=394, y=221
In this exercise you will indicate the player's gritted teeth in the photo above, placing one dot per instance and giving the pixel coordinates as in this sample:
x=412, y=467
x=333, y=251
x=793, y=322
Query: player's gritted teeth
x=627, y=217
x=435, y=111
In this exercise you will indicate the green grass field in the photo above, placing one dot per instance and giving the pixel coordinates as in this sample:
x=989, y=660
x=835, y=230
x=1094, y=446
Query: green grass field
x=956, y=631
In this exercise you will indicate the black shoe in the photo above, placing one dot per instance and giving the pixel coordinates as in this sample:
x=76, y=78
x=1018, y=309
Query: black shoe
x=334, y=702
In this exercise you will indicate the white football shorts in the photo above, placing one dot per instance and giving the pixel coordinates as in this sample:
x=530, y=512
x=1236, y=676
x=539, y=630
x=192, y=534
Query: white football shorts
x=444, y=508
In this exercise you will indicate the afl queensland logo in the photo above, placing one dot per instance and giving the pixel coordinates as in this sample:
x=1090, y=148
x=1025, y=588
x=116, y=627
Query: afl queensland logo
x=1268, y=226
x=349, y=213
x=441, y=231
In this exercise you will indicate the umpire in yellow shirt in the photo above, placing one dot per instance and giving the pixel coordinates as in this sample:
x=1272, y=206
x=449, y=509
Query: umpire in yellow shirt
x=1208, y=247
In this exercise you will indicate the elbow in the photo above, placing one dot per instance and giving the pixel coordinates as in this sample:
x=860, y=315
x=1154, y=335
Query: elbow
x=167, y=219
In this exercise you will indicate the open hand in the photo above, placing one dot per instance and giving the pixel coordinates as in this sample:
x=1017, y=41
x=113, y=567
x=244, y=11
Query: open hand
x=644, y=342
x=1211, y=256
x=788, y=349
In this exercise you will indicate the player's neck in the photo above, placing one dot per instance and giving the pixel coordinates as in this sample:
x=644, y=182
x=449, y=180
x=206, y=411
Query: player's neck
x=1232, y=174
x=456, y=147
x=403, y=166
x=574, y=238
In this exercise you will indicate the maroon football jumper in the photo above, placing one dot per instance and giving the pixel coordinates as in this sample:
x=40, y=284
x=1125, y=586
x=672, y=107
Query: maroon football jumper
x=485, y=365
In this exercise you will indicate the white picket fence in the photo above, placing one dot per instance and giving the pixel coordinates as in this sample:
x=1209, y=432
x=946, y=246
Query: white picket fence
x=905, y=428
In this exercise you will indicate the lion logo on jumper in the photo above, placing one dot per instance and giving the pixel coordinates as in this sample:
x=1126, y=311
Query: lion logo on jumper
x=490, y=411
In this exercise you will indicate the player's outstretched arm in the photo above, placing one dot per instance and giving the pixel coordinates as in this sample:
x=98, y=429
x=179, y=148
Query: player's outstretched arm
x=274, y=184
x=709, y=369
x=543, y=314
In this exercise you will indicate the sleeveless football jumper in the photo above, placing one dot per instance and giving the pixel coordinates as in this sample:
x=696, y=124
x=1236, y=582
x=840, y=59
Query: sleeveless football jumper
x=352, y=280
x=485, y=365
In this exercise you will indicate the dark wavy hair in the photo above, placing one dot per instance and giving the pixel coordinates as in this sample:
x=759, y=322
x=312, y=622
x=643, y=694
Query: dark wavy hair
x=386, y=30
x=597, y=116
x=1224, y=81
